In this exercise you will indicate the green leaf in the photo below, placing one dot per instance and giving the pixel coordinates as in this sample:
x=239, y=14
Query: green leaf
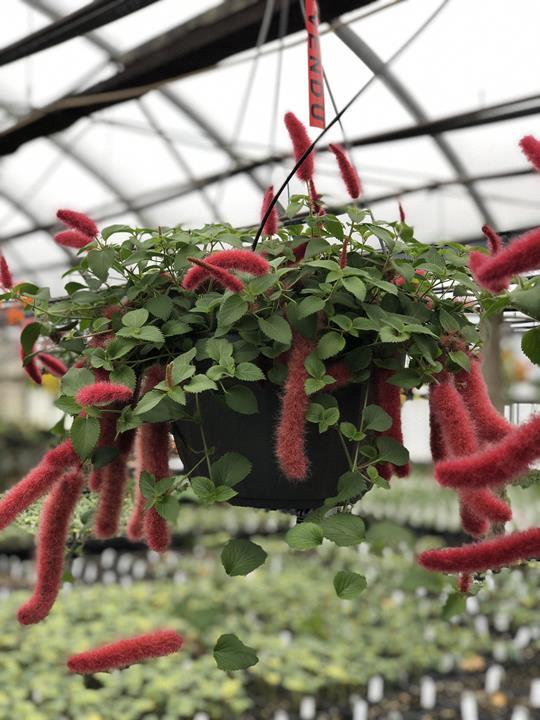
x=75, y=379
x=203, y=488
x=112, y=229
x=151, y=334
x=455, y=605
x=168, y=508
x=200, y=383
x=448, y=322
x=392, y=451
x=175, y=327
x=222, y=493
x=103, y=456
x=240, y=557
x=135, y=318
x=349, y=585
x=309, y=306
x=147, y=485
x=119, y=347
x=231, y=310
x=528, y=301
x=461, y=359
x=148, y=401
x=530, y=344
x=160, y=306
x=230, y=653
x=276, y=328
x=124, y=375
x=248, y=372
x=67, y=405
x=241, y=399
x=356, y=287
x=330, y=344
x=304, y=536
x=84, y=435
x=100, y=262
x=29, y=335
x=406, y=378
x=375, y=418
x=181, y=367
x=230, y=469
x=343, y=529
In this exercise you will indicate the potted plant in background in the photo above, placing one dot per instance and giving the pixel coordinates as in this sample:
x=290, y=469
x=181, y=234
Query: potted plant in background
x=280, y=371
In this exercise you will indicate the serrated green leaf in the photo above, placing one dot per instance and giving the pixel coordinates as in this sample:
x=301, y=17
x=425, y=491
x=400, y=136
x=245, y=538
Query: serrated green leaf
x=455, y=605
x=343, y=529
x=375, y=418
x=135, y=318
x=160, y=306
x=241, y=399
x=530, y=344
x=124, y=375
x=356, y=287
x=304, y=536
x=330, y=344
x=230, y=469
x=232, y=309
x=248, y=372
x=349, y=585
x=231, y=654
x=392, y=451
x=276, y=328
x=168, y=508
x=200, y=383
x=84, y=435
x=75, y=379
x=240, y=557
x=309, y=306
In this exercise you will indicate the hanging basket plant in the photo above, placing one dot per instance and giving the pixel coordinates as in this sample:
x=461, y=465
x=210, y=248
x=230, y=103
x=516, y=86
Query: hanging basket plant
x=280, y=370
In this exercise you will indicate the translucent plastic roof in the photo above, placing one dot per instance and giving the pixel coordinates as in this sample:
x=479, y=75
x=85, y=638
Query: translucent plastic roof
x=139, y=161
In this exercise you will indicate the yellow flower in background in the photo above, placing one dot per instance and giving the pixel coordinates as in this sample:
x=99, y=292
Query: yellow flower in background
x=50, y=383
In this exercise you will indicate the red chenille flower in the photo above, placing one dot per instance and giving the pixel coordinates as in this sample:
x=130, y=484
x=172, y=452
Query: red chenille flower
x=53, y=529
x=477, y=263
x=472, y=523
x=31, y=368
x=37, y=482
x=155, y=460
x=53, y=364
x=341, y=374
x=242, y=260
x=135, y=525
x=300, y=142
x=495, y=242
x=6, y=279
x=486, y=555
x=271, y=224
x=522, y=255
x=401, y=213
x=72, y=239
x=483, y=503
x=453, y=418
x=227, y=280
x=347, y=171
x=490, y=424
x=388, y=396
x=78, y=221
x=530, y=147
x=103, y=393
x=112, y=489
x=497, y=464
x=290, y=435
x=124, y=653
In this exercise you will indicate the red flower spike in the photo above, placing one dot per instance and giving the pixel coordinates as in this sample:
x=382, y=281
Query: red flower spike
x=343, y=254
x=107, y=435
x=290, y=435
x=402, y=217
x=103, y=393
x=388, y=397
x=72, y=239
x=522, y=255
x=78, y=221
x=112, y=489
x=6, y=279
x=491, y=426
x=155, y=460
x=347, y=171
x=530, y=147
x=484, y=504
x=243, y=260
x=487, y=555
x=341, y=374
x=53, y=529
x=453, y=418
x=477, y=262
x=300, y=142
x=271, y=225
x=472, y=524
x=439, y=451
x=497, y=464
x=495, y=242
x=300, y=251
x=315, y=198
x=465, y=583
x=53, y=364
x=124, y=653
x=37, y=482
x=221, y=276
x=135, y=525
x=31, y=368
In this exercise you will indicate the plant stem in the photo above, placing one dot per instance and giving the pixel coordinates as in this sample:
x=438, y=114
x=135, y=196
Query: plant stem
x=203, y=437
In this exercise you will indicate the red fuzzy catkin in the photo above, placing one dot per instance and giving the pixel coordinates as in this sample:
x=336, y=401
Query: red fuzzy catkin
x=487, y=555
x=155, y=448
x=343, y=253
x=437, y=444
x=495, y=242
x=135, y=525
x=53, y=364
x=78, y=221
x=103, y=393
x=31, y=368
x=112, y=489
x=6, y=279
x=347, y=171
x=473, y=524
x=530, y=147
x=244, y=260
x=477, y=262
x=315, y=197
x=402, y=217
x=271, y=225
x=123, y=653
x=465, y=583
x=37, y=482
x=491, y=426
x=341, y=374
x=73, y=239
x=290, y=435
x=521, y=256
x=300, y=142
x=53, y=529
x=227, y=280
x=388, y=397
x=495, y=465
x=107, y=434
x=484, y=503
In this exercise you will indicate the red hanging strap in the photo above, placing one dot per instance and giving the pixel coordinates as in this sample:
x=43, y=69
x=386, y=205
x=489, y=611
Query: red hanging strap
x=317, y=116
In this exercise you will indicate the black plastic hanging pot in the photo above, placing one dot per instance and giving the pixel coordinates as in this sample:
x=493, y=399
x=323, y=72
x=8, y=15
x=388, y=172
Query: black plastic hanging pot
x=253, y=436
